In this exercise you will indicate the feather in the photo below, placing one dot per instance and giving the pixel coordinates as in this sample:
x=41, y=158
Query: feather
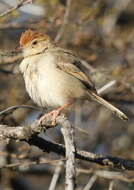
x=30, y=35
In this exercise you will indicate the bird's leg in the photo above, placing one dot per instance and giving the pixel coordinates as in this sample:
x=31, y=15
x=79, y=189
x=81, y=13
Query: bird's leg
x=54, y=114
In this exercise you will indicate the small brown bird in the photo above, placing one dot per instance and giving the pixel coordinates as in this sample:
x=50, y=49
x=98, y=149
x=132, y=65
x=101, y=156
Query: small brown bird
x=54, y=76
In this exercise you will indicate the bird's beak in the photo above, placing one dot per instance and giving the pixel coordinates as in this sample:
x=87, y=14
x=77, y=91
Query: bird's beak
x=18, y=48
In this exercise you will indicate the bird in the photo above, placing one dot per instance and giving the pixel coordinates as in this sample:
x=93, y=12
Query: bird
x=54, y=77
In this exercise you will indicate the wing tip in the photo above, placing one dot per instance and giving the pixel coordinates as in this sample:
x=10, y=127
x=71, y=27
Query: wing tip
x=124, y=117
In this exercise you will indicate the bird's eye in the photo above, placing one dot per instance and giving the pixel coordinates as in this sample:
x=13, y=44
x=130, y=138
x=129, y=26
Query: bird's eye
x=34, y=43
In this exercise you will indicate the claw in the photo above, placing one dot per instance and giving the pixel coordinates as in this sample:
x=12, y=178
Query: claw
x=54, y=114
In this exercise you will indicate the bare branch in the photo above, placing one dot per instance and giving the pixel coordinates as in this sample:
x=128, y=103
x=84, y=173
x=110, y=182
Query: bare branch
x=20, y=4
x=90, y=183
x=106, y=87
x=29, y=134
x=112, y=162
x=11, y=109
x=111, y=185
x=68, y=133
x=88, y=66
x=65, y=21
x=111, y=16
x=56, y=176
x=29, y=163
x=9, y=57
x=114, y=175
x=111, y=175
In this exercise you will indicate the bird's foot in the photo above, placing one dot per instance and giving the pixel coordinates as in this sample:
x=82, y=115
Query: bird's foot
x=53, y=114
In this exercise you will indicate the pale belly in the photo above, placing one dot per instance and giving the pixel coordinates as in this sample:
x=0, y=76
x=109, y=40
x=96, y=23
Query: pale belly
x=54, y=88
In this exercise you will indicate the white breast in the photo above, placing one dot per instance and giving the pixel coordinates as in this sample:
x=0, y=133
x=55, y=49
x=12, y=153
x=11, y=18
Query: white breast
x=49, y=86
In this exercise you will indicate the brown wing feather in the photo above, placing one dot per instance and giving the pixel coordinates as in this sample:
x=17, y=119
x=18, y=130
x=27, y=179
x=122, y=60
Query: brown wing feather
x=73, y=66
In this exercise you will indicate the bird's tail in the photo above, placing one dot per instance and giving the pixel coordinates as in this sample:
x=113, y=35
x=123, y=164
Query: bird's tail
x=115, y=110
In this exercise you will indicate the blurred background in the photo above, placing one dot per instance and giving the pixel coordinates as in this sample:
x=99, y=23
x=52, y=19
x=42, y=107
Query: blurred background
x=102, y=34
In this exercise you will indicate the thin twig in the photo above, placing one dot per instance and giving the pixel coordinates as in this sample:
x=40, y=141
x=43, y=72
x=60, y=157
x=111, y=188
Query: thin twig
x=112, y=14
x=90, y=183
x=112, y=175
x=20, y=4
x=30, y=163
x=111, y=185
x=7, y=72
x=65, y=21
x=88, y=66
x=9, y=57
x=106, y=87
x=56, y=176
x=11, y=109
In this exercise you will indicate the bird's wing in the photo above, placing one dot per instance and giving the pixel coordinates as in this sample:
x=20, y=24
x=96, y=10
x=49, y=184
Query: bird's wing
x=70, y=64
x=73, y=66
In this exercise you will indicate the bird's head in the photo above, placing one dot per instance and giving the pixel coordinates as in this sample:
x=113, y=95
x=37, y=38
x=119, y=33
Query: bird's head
x=33, y=42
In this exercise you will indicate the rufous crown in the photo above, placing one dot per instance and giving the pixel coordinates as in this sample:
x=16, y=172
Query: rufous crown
x=29, y=35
